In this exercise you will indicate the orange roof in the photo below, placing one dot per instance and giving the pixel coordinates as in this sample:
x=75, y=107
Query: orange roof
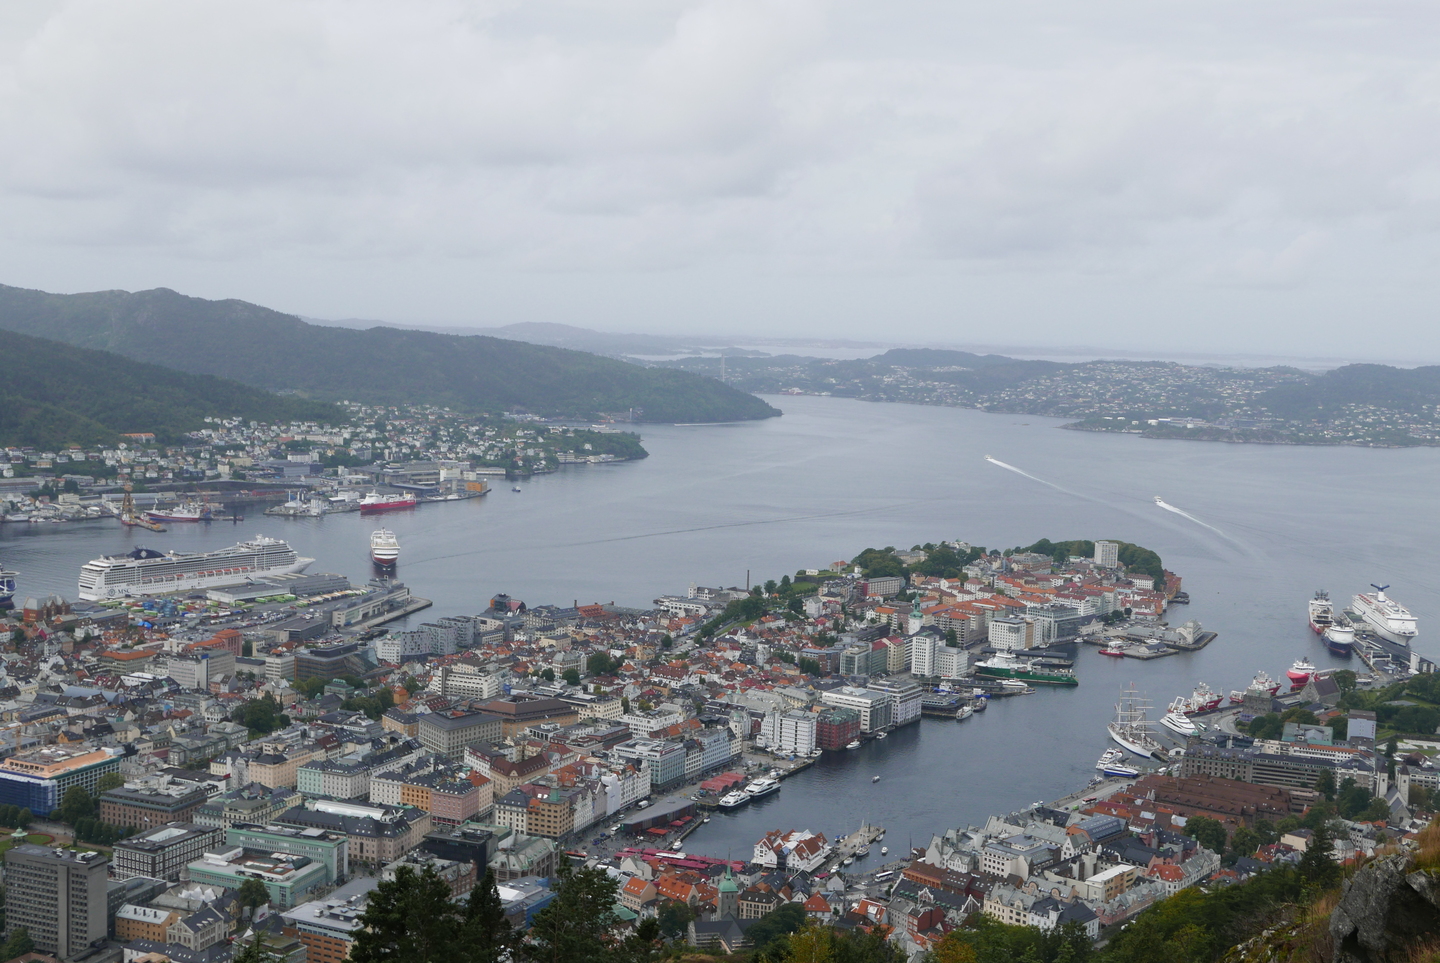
x=131, y=655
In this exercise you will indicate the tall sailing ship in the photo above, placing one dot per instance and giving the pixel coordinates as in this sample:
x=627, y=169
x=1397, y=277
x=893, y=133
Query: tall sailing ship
x=1131, y=729
x=145, y=571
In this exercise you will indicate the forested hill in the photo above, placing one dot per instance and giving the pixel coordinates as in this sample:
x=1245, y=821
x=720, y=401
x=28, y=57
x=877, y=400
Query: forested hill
x=275, y=351
x=54, y=394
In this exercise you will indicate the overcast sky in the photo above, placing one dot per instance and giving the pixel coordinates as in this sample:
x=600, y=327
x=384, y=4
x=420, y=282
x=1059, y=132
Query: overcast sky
x=1260, y=176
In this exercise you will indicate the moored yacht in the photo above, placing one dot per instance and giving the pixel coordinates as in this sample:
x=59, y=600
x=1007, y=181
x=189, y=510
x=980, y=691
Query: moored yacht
x=763, y=786
x=733, y=800
x=1177, y=722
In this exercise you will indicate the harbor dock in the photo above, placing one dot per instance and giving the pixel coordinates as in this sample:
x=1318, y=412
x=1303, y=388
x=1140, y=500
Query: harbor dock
x=846, y=848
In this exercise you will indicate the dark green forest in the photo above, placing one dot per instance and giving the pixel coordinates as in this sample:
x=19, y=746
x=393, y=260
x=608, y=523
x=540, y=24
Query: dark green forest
x=53, y=394
x=275, y=351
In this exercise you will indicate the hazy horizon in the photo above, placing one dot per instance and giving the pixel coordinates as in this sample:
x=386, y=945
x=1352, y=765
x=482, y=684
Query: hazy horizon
x=1216, y=180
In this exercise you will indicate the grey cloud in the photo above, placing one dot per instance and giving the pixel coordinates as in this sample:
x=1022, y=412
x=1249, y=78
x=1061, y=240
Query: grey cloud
x=1198, y=150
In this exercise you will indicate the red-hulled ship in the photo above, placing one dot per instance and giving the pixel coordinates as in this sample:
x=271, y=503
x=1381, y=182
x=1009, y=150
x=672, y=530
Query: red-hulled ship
x=374, y=502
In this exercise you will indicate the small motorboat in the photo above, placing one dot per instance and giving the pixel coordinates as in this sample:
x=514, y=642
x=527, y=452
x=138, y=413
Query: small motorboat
x=884, y=850
x=874, y=778
x=515, y=488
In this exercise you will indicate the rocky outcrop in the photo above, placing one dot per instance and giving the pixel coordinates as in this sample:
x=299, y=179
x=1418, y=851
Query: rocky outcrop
x=1385, y=909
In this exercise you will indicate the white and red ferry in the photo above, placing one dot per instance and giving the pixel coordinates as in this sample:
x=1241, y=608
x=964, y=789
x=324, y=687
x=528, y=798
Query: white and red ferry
x=374, y=502
x=384, y=547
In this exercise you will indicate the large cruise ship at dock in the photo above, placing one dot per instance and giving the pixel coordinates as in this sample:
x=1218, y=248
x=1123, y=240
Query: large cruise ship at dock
x=1385, y=616
x=145, y=571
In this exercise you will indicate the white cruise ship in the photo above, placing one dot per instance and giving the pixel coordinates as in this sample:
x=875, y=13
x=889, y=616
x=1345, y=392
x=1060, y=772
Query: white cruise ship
x=1387, y=617
x=148, y=572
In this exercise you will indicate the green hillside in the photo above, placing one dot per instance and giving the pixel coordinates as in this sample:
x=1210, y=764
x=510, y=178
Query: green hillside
x=54, y=394
x=275, y=351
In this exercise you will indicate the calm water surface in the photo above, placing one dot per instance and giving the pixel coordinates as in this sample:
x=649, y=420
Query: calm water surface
x=832, y=477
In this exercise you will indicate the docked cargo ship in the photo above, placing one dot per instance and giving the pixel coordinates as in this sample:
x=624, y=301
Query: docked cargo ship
x=184, y=512
x=145, y=571
x=1300, y=672
x=7, y=588
x=1322, y=612
x=1387, y=617
x=1204, y=698
x=373, y=502
x=1340, y=636
x=1003, y=665
x=384, y=547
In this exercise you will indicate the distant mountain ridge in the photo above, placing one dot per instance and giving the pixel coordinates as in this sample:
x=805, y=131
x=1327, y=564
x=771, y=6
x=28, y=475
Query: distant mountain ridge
x=54, y=394
x=280, y=352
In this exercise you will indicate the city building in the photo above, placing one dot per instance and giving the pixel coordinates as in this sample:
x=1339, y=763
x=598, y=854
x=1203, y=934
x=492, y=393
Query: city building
x=142, y=807
x=248, y=804
x=377, y=834
x=448, y=733
x=906, y=699
x=161, y=853
x=327, y=927
x=518, y=713
x=329, y=849
x=1107, y=554
x=134, y=922
x=789, y=733
x=874, y=707
x=836, y=727
x=57, y=896
x=39, y=779
x=287, y=878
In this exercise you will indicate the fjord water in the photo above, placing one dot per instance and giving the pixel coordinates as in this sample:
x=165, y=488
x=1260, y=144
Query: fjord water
x=832, y=477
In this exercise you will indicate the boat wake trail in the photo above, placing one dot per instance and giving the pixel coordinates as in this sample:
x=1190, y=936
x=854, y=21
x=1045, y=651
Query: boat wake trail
x=1184, y=514
x=1020, y=471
